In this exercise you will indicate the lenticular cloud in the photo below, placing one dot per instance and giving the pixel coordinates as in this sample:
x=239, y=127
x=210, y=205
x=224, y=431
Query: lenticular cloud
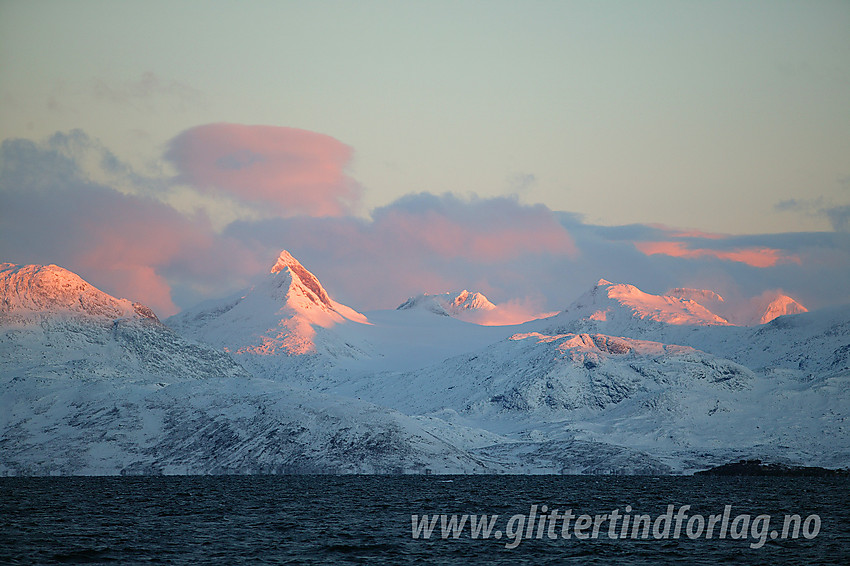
x=295, y=172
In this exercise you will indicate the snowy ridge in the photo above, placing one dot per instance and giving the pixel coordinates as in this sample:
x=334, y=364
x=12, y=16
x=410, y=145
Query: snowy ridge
x=712, y=301
x=701, y=296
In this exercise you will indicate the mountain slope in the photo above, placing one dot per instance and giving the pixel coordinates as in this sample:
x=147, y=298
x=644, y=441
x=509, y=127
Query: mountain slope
x=61, y=425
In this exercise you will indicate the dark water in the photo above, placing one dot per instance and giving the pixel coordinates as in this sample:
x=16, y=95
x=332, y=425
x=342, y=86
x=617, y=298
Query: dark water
x=367, y=519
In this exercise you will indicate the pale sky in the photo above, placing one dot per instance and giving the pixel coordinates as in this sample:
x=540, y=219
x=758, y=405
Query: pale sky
x=701, y=115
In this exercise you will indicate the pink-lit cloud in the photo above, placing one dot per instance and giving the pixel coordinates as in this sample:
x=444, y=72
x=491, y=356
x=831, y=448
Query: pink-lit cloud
x=290, y=171
x=755, y=257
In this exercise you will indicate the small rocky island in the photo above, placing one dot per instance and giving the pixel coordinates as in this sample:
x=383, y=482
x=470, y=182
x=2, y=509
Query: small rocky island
x=757, y=468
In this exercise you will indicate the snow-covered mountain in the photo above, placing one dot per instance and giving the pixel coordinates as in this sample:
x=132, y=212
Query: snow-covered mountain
x=285, y=323
x=663, y=374
x=621, y=381
x=686, y=407
x=55, y=323
x=541, y=376
x=449, y=304
x=626, y=307
x=619, y=368
x=288, y=327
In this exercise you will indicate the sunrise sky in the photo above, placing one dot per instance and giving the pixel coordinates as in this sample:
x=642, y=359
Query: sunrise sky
x=167, y=151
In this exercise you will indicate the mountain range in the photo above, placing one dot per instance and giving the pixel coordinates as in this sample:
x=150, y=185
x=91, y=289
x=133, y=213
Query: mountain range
x=282, y=378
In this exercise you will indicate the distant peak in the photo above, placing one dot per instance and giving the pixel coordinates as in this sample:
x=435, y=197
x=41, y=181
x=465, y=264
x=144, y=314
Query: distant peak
x=467, y=300
x=449, y=304
x=780, y=305
x=603, y=283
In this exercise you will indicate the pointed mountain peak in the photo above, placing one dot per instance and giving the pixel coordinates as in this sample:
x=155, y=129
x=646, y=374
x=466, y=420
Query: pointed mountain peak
x=779, y=306
x=305, y=282
x=470, y=301
x=603, y=283
x=285, y=260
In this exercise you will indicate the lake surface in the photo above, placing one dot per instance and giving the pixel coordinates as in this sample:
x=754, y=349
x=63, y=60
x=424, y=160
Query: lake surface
x=367, y=520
